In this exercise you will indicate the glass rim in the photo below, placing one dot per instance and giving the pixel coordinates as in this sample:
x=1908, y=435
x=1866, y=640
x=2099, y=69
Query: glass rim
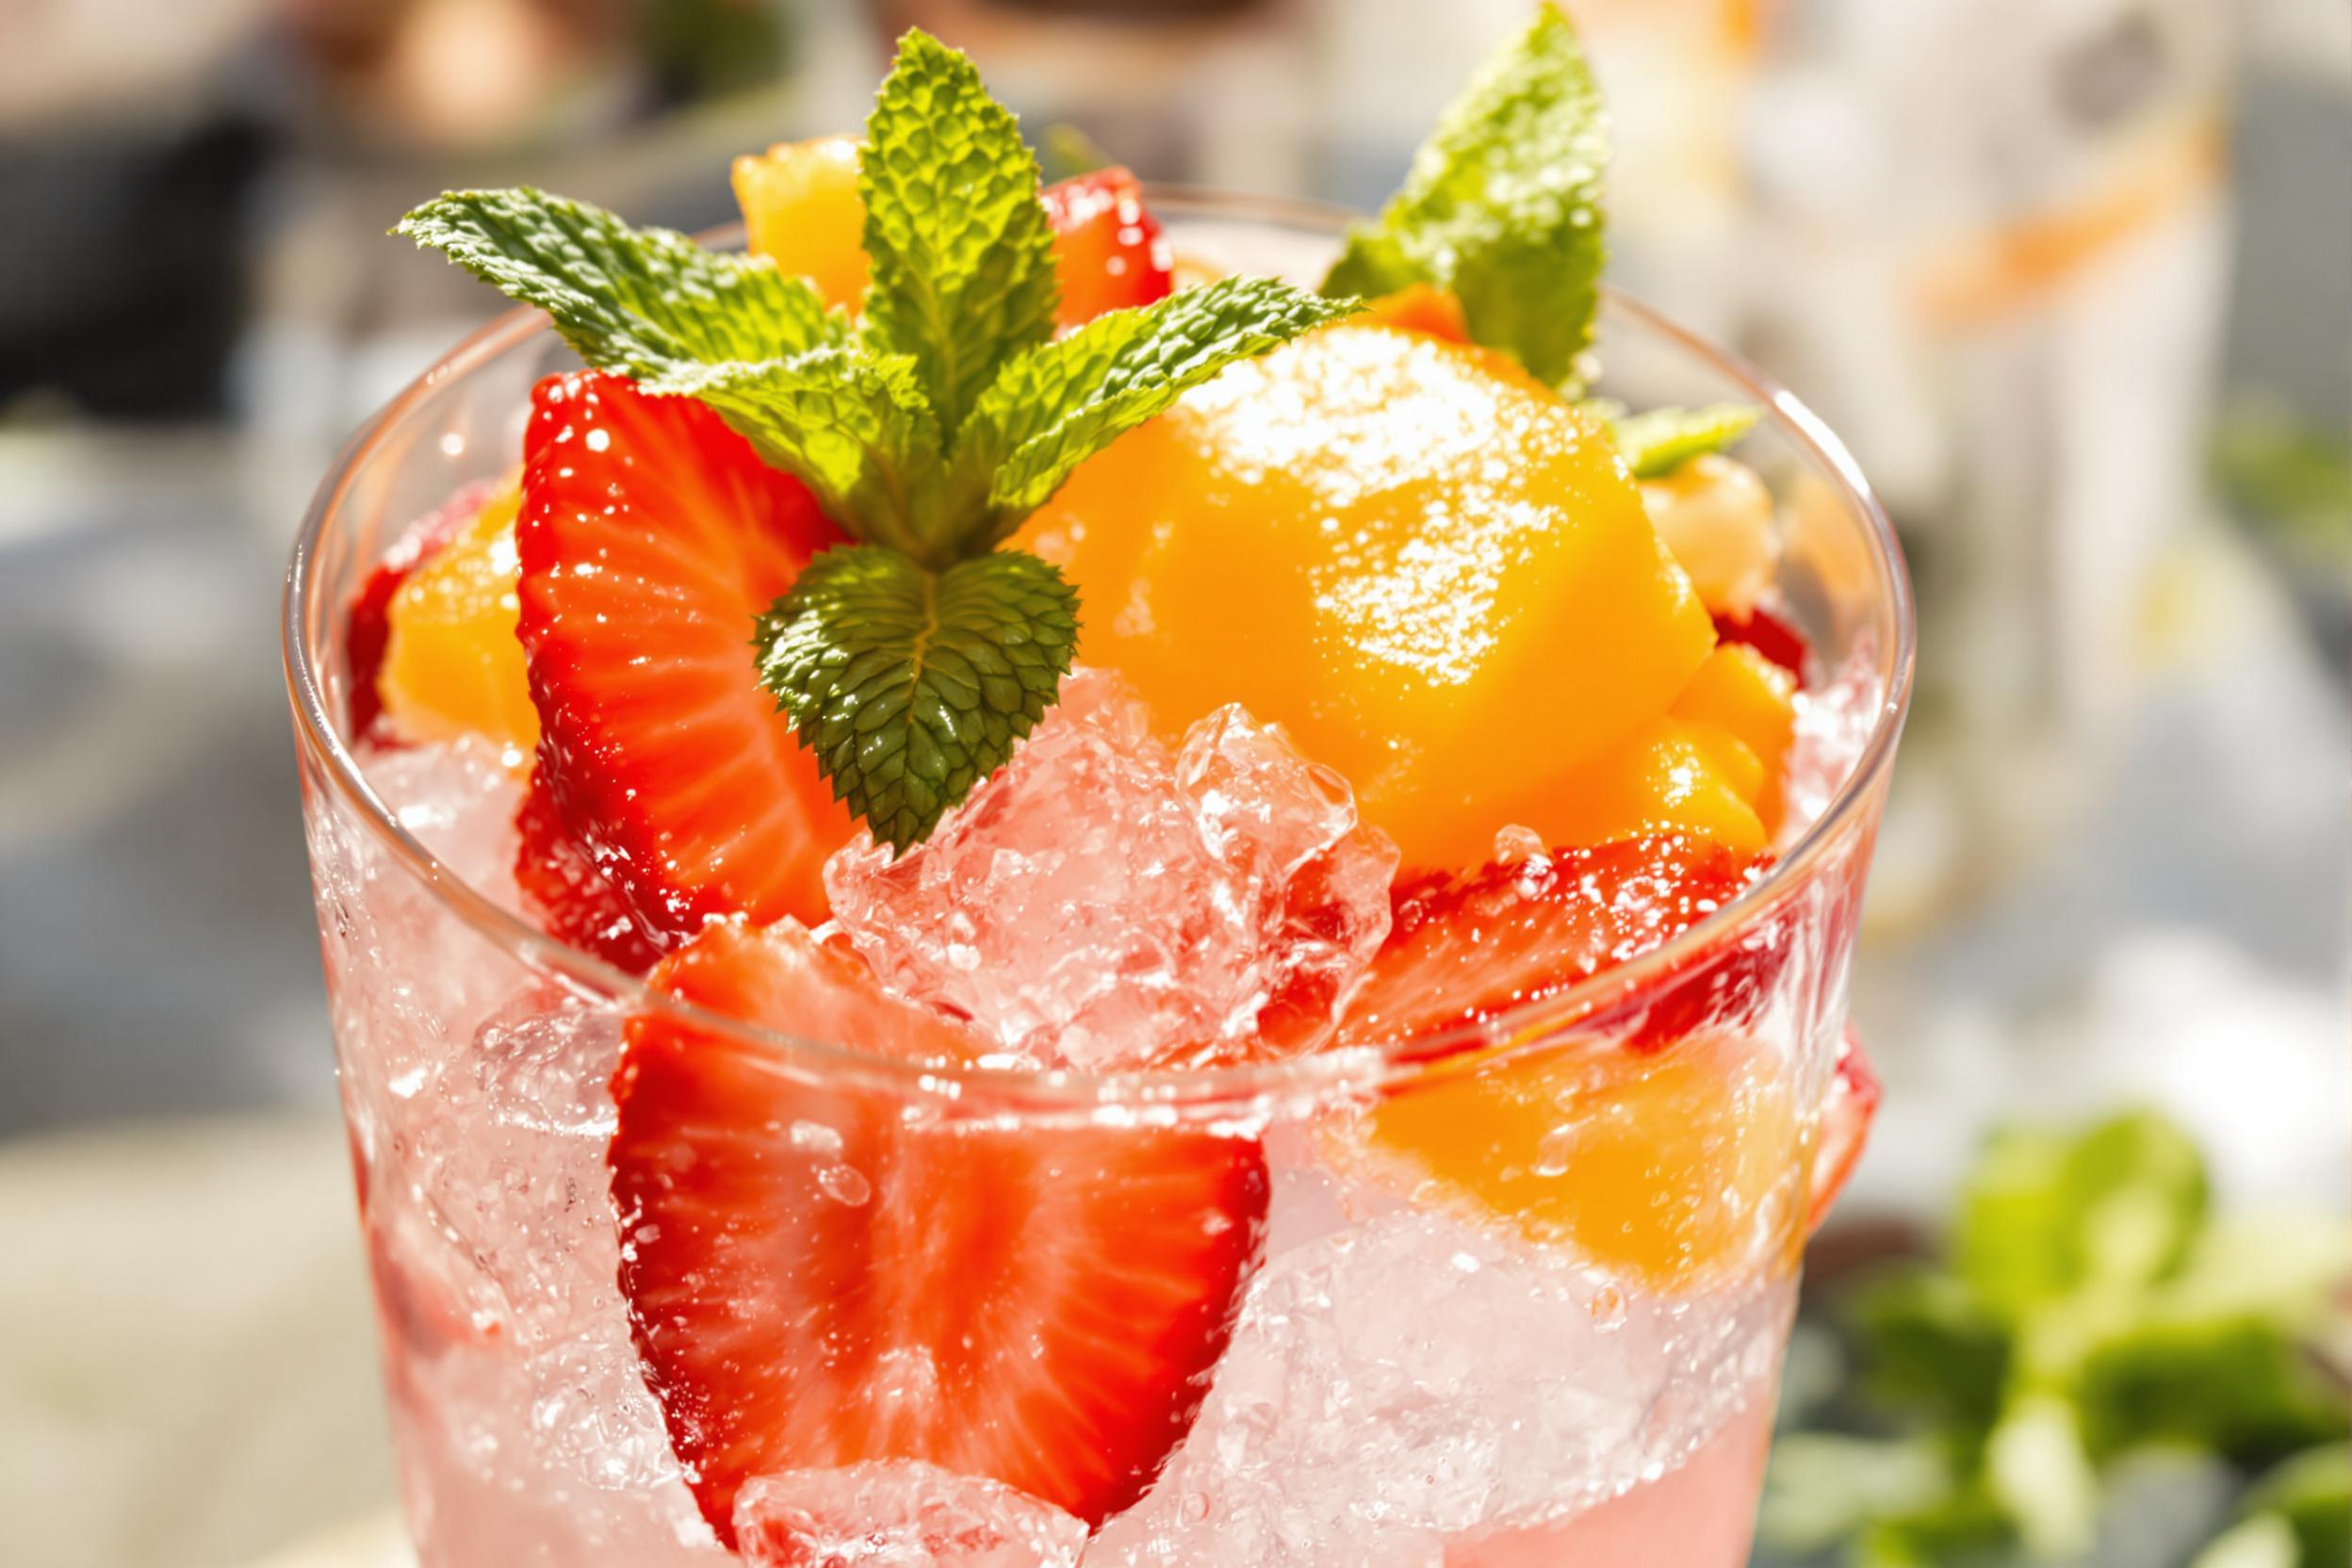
x=1321, y=1073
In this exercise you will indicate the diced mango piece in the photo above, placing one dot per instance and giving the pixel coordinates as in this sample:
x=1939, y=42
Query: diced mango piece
x=1716, y=516
x=1673, y=776
x=1746, y=695
x=1421, y=308
x=801, y=207
x=452, y=667
x=1426, y=564
x=1674, y=1168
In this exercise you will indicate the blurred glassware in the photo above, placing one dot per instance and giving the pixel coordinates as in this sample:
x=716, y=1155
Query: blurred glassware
x=1991, y=235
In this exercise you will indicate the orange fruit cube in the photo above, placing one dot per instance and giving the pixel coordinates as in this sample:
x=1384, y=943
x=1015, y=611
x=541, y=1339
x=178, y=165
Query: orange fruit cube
x=452, y=667
x=801, y=207
x=1674, y=1169
x=1427, y=565
x=1748, y=697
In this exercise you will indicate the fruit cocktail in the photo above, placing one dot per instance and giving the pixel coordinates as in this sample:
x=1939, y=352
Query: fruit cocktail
x=1077, y=874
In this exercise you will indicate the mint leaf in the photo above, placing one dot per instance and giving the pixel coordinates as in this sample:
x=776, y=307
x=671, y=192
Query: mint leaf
x=637, y=301
x=1657, y=441
x=911, y=685
x=1503, y=206
x=962, y=254
x=1060, y=403
x=852, y=427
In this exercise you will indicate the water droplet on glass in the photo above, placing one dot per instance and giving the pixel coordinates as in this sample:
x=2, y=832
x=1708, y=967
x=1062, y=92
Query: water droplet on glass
x=1553, y=1152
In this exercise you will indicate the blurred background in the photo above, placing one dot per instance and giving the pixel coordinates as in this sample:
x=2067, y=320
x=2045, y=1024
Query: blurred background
x=2073, y=277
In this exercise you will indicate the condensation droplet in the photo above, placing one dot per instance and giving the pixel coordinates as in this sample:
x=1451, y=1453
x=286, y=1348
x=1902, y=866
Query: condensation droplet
x=1516, y=843
x=1196, y=1507
x=845, y=1184
x=1553, y=1152
x=1608, y=1309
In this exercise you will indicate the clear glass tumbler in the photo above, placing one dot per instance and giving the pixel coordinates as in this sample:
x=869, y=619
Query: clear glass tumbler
x=1557, y=1343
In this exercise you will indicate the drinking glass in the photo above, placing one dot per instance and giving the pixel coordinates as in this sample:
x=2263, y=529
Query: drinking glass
x=1523, y=1286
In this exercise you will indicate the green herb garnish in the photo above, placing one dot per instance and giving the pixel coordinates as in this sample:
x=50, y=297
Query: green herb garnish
x=1657, y=441
x=1502, y=207
x=914, y=660
x=2094, y=1324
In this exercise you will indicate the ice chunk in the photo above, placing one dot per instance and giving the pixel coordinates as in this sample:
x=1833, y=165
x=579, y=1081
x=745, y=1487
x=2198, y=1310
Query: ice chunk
x=1414, y=1379
x=1101, y=901
x=549, y=1458
x=410, y=979
x=459, y=801
x=1833, y=728
x=499, y=1180
x=546, y=1065
x=899, y=1514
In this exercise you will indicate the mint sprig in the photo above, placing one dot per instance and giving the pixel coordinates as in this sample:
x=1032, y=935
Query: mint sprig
x=912, y=685
x=1502, y=206
x=913, y=662
x=1657, y=441
x=962, y=255
x=1059, y=405
x=637, y=301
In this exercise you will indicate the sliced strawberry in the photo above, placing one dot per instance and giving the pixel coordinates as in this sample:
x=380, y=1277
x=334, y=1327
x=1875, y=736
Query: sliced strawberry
x=562, y=884
x=1847, y=1112
x=1769, y=635
x=823, y=1273
x=1464, y=950
x=650, y=537
x=1107, y=246
x=367, y=624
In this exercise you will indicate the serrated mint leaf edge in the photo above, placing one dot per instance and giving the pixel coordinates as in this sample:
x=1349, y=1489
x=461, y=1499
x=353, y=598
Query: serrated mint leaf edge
x=1658, y=441
x=1064, y=401
x=960, y=248
x=910, y=686
x=1476, y=249
x=639, y=301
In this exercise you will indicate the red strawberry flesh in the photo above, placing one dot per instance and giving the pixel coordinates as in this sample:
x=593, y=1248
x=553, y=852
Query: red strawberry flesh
x=1770, y=636
x=1107, y=247
x=561, y=886
x=650, y=537
x=1466, y=949
x=1847, y=1112
x=823, y=1273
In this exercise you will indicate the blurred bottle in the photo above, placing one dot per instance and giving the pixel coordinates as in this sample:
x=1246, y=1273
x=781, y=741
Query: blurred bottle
x=1989, y=245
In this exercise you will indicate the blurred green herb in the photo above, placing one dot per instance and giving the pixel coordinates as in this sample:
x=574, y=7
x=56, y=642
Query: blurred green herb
x=2289, y=477
x=2093, y=1319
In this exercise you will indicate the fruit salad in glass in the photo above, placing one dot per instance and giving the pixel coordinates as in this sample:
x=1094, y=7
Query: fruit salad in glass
x=1067, y=875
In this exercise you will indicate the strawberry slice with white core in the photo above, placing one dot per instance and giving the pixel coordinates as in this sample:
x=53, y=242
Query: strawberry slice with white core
x=824, y=1273
x=651, y=536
